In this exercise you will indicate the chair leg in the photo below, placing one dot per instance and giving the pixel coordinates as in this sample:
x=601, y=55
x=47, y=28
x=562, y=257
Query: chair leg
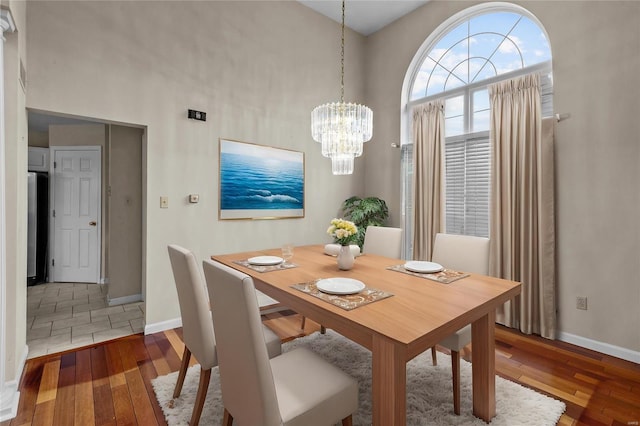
x=434, y=356
x=323, y=329
x=203, y=386
x=227, y=419
x=347, y=421
x=186, y=356
x=304, y=320
x=455, y=370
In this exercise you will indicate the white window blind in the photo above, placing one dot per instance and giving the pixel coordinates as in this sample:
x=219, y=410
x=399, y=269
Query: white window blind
x=467, y=184
x=407, y=198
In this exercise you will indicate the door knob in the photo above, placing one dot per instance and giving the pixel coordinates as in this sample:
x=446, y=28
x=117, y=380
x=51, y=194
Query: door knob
x=93, y=223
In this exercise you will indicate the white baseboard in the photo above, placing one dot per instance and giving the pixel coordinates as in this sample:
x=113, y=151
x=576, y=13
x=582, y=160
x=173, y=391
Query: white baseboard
x=162, y=326
x=9, y=395
x=605, y=348
x=126, y=299
x=23, y=362
x=177, y=322
x=9, y=399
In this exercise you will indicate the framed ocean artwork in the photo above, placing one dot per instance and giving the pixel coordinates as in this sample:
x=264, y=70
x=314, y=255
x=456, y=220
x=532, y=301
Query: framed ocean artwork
x=260, y=182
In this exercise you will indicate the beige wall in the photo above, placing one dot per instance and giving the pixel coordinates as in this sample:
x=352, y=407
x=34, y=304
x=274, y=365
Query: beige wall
x=256, y=68
x=124, y=262
x=39, y=139
x=597, y=163
x=77, y=135
x=595, y=47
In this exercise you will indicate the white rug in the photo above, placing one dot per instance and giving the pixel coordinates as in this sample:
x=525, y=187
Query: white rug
x=429, y=394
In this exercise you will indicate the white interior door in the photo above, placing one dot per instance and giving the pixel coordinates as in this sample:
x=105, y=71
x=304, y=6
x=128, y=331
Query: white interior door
x=76, y=215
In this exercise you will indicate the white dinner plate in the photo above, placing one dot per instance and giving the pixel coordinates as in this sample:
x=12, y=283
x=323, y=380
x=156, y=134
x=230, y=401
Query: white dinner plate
x=423, y=267
x=340, y=285
x=265, y=260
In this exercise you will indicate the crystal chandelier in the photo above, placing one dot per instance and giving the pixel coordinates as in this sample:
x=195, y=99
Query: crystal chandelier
x=342, y=127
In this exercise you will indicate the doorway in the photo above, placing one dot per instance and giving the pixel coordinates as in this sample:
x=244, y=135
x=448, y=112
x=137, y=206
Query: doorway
x=119, y=296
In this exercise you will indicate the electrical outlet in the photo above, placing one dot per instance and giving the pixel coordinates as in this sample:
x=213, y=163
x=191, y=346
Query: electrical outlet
x=581, y=302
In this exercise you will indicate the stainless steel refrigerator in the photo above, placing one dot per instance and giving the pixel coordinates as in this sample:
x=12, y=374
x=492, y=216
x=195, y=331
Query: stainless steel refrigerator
x=37, y=227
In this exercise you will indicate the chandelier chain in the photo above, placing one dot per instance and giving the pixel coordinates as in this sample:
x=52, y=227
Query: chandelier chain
x=341, y=128
x=342, y=59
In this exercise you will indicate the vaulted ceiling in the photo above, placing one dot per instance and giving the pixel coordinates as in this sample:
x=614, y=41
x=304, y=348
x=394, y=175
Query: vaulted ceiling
x=365, y=16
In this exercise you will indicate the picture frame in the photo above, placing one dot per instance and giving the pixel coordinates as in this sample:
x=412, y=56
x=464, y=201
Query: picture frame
x=259, y=182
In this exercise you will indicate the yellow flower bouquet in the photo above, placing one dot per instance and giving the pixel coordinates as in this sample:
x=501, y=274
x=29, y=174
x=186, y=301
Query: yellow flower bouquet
x=343, y=231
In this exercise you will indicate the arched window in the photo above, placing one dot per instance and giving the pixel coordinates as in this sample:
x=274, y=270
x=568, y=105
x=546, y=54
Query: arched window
x=475, y=48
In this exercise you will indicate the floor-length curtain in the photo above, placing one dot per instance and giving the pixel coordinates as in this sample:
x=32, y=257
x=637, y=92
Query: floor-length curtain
x=522, y=204
x=428, y=151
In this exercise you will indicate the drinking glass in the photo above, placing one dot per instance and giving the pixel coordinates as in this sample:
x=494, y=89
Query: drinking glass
x=287, y=252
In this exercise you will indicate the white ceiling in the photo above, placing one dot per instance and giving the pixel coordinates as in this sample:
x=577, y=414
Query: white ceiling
x=364, y=16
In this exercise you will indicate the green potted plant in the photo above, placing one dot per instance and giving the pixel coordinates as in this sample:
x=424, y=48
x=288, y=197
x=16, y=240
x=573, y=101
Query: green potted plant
x=363, y=212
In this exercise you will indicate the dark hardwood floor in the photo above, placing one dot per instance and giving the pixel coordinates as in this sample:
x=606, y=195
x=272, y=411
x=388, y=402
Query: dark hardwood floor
x=110, y=383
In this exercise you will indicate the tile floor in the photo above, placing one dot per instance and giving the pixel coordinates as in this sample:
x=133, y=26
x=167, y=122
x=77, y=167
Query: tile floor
x=62, y=316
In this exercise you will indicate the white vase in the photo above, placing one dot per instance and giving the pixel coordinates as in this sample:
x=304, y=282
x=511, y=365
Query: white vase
x=345, y=258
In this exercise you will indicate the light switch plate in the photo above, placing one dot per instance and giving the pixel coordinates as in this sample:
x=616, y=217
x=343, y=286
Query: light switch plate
x=194, y=198
x=164, y=202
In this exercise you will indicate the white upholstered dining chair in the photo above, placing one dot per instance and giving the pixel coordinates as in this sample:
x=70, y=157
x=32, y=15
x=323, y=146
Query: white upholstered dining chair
x=383, y=241
x=468, y=254
x=295, y=388
x=197, y=329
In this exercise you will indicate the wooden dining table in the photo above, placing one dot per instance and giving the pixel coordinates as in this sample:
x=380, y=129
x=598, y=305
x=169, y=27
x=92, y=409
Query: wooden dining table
x=418, y=315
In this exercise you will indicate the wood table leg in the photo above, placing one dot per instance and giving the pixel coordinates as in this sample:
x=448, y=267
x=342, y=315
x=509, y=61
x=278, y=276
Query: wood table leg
x=389, y=382
x=484, y=367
